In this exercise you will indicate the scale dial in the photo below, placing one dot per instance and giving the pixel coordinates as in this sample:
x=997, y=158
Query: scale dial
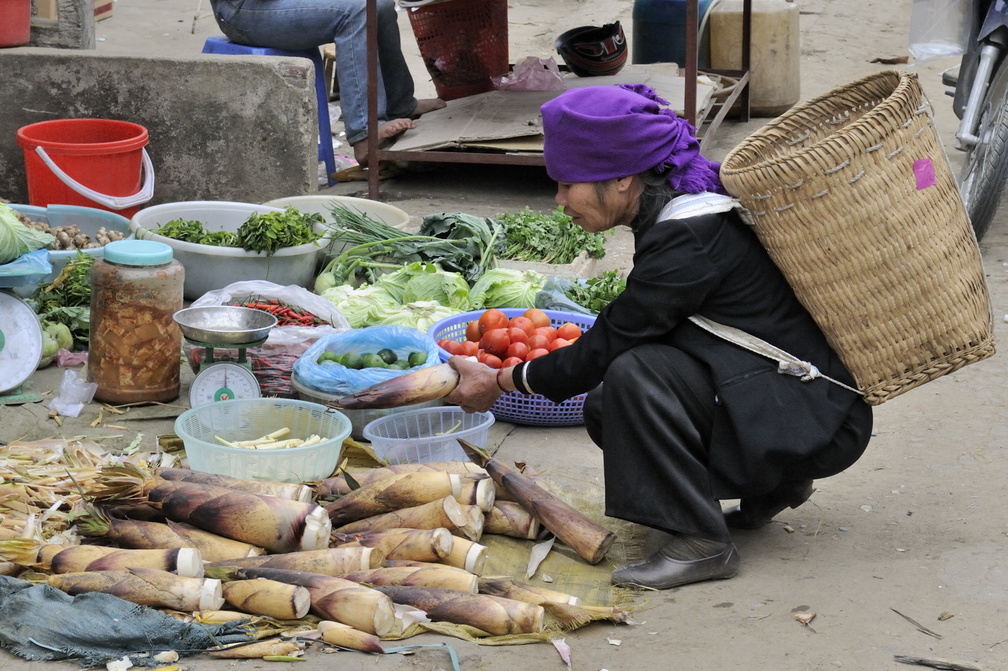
x=20, y=342
x=223, y=382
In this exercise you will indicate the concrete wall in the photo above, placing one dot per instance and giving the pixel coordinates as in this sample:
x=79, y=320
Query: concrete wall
x=221, y=127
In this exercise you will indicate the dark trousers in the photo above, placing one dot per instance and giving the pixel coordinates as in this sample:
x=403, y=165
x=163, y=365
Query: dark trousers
x=652, y=416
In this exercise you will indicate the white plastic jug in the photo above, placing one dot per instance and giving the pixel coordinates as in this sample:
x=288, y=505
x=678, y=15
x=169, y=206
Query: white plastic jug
x=774, y=66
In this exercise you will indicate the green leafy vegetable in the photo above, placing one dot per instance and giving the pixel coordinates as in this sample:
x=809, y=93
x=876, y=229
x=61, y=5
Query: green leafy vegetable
x=597, y=292
x=547, y=238
x=193, y=231
x=374, y=247
x=270, y=231
x=67, y=299
x=506, y=288
x=16, y=238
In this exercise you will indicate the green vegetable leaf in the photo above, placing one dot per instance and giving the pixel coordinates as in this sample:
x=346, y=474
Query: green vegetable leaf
x=547, y=238
x=17, y=239
x=270, y=231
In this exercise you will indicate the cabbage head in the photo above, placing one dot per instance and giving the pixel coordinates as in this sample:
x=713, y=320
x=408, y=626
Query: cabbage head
x=506, y=288
x=17, y=239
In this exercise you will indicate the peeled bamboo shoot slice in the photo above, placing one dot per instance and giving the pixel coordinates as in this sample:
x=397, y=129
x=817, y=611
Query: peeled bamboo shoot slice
x=468, y=555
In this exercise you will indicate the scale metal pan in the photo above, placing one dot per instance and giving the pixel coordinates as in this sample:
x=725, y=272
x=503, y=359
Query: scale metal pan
x=225, y=324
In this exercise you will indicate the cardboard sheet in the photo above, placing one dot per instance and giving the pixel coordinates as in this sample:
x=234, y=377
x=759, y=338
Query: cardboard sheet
x=510, y=121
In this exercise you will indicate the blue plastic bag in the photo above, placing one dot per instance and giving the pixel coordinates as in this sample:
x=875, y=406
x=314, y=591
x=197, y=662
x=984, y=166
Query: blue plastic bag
x=333, y=378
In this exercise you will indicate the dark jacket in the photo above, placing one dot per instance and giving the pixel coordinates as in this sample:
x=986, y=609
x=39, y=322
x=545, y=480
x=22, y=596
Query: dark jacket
x=715, y=266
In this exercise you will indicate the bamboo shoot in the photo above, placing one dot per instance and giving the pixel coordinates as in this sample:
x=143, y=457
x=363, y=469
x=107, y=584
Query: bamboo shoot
x=495, y=615
x=476, y=491
x=510, y=588
x=419, y=386
x=331, y=561
x=270, y=598
x=139, y=534
x=404, y=490
x=259, y=650
x=338, y=485
x=278, y=525
x=282, y=490
x=590, y=540
x=468, y=555
x=429, y=545
x=446, y=577
x=185, y=562
x=337, y=599
x=508, y=518
x=447, y=513
x=147, y=587
x=346, y=636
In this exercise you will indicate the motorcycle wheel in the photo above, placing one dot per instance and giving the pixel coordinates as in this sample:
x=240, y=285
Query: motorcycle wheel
x=985, y=166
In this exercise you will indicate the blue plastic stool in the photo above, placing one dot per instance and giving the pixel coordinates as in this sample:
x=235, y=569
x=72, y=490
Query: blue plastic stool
x=218, y=44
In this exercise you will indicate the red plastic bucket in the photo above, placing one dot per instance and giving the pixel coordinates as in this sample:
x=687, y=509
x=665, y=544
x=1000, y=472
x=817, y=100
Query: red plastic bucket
x=91, y=162
x=15, y=27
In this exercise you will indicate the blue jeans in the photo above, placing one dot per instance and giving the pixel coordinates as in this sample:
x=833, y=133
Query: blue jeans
x=306, y=24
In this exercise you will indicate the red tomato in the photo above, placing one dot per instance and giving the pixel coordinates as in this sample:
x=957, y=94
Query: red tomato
x=453, y=347
x=538, y=317
x=568, y=331
x=495, y=341
x=511, y=361
x=536, y=353
x=523, y=323
x=473, y=331
x=538, y=341
x=492, y=319
x=470, y=348
x=516, y=334
x=548, y=331
x=517, y=349
x=558, y=343
x=490, y=360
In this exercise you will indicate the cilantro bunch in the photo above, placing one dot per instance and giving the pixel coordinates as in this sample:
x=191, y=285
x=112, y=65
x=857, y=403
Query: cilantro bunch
x=547, y=238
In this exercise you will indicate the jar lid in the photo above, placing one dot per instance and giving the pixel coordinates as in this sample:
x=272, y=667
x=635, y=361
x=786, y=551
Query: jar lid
x=138, y=252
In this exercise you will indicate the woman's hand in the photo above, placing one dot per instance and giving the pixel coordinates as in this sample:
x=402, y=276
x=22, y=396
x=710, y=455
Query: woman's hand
x=477, y=389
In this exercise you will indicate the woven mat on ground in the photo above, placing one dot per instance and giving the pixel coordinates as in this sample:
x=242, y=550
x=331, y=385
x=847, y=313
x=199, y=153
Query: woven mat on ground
x=562, y=569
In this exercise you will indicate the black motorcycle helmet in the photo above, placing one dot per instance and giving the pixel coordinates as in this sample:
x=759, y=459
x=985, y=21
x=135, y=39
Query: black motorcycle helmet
x=591, y=51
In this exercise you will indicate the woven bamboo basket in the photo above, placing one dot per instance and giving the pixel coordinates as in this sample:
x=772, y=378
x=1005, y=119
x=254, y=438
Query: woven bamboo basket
x=852, y=195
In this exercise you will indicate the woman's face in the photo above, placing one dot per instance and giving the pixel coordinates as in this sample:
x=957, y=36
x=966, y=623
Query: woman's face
x=598, y=206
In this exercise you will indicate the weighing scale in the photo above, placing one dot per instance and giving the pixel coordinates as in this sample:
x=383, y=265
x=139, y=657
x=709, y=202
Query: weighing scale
x=224, y=377
x=20, y=347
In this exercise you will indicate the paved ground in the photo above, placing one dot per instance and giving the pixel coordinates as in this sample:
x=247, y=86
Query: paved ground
x=916, y=526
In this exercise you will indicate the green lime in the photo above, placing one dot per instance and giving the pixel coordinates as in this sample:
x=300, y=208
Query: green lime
x=401, y=364
x=388, y=356
x=417, y=358
x=370, y=360
x=341, y=359
x=354, y=360
x=329, y=355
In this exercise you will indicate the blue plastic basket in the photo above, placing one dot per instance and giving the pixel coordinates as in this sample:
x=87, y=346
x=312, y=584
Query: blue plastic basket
x=530, y=409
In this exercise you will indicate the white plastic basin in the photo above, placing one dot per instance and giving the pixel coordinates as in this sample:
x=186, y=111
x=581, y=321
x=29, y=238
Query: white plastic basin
x=208, y=267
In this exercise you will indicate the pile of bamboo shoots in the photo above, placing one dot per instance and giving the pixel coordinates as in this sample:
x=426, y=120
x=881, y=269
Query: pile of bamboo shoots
x=347, y=550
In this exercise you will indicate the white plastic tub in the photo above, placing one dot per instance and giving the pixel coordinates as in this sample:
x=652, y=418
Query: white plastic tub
x=427, y=434
x=208, y=267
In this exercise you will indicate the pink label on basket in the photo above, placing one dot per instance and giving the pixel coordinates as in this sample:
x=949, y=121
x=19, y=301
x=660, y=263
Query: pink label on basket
x=924, y=172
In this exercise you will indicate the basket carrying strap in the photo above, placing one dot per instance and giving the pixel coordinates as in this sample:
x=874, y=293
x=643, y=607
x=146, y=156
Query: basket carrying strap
x=693, y=205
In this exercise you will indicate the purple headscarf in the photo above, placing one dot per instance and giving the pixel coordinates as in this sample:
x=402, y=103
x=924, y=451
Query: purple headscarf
x=596, y=133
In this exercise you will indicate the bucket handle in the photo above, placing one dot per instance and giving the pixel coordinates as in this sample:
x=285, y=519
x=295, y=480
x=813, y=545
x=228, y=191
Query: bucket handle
x=115, y=202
